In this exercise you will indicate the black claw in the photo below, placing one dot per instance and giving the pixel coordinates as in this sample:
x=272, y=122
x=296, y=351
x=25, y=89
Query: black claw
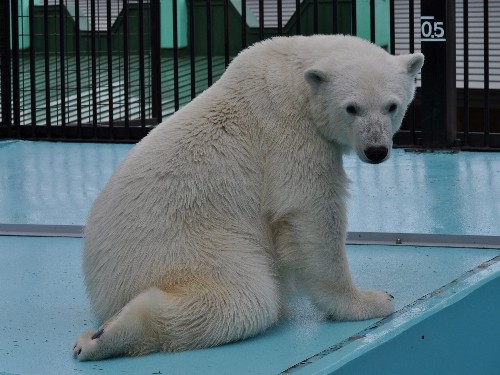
x=97, y=334
x=390, y=295
x=79, y=351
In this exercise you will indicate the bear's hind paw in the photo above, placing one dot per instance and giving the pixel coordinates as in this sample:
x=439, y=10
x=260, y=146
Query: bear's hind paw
x=86, y=346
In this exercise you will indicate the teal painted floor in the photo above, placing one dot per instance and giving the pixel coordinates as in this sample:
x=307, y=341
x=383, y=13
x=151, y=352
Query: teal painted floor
x=44, y=306
x=55, y=183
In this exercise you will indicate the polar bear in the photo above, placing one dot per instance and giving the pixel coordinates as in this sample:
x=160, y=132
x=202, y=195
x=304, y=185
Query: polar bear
x=193, y=240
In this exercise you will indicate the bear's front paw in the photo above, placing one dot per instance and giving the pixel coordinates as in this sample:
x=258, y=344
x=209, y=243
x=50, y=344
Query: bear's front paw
x=373, y=304
x=363, y=305
x=87, y=346
x=377, y=303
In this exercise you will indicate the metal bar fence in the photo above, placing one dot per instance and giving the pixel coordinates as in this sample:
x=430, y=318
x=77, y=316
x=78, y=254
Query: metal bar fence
x=109, y=55
x=486, y=77
x=156, y=72
x=142, y=83
x=5, y=68
x=94, y=66
x=411, y=109
x=354, y=18
x=62, y=67
x=176, y=54
x=78, y=73
x=315, y=17
x=466, y=73
x=16, y=105
x=243, y=23
x=226, y=33
x=33, y=82
x=126, y=61
x=209, y=42
x=110, y=70
x=392, y=33
x=261, y=19
x=335, y=17
x=280, y=17
x=298, y=17
x=46, y=60
x=192, y=50
x=372, y=21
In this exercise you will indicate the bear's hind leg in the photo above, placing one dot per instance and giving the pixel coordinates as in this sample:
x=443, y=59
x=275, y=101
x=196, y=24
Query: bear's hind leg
x=196, y=314
x=124, y=333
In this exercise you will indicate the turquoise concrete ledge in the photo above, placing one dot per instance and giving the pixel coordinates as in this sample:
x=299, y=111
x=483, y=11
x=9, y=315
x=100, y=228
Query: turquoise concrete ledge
x=463, y=338
x=476, y=351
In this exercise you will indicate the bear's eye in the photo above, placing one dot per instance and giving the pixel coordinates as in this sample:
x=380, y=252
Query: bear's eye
x=392, y=108
x=351, y=110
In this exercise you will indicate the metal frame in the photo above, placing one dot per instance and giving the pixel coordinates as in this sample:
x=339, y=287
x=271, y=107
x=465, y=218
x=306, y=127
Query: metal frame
x=353, y=238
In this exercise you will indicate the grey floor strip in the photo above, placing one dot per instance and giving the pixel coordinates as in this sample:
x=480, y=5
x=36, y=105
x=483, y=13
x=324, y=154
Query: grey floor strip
x=37, y=230
x=360, y=238
x=423, y=239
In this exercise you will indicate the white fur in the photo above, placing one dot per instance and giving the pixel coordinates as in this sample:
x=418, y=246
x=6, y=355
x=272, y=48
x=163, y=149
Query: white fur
x=190, y=242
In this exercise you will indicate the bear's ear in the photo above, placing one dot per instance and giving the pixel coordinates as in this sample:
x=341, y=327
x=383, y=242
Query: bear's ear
x=413, y=62
x=315, y=76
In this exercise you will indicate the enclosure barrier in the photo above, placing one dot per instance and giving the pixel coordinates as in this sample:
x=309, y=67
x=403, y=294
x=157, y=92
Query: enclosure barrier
x=110, y=70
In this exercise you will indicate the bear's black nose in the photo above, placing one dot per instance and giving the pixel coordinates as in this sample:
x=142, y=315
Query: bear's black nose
x=376, y=154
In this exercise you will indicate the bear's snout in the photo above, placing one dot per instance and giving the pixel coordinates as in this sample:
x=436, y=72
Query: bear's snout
x=376, y=154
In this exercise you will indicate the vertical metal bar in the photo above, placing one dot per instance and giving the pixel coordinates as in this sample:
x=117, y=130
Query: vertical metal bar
x=439, y=74
x=142, y=86
x=449, y=131
x=209, y=42
x=335, y=17
x=354, y=21
x=62, y=67
x=297, y=15
x=48, y=119
x=176, y=55
x=412, y=26
x=23, y=69
x=392, y=27
x=226, y=33
x=261, y=19
x=126, y=67
x=315, y=17
x=191, y=50
x=372, y=21
x=411, y=109
x=280, y=17
x=33, y=82
x=486, y=77
x=94, y=66
x=244, y=23
x=15, y=68
x=466, y=123
x=156, y=61
x=78, y=70
x=5, y=66
x=109, y=42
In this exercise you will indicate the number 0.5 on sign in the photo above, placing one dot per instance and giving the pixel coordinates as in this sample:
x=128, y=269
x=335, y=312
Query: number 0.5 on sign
x=431, y=30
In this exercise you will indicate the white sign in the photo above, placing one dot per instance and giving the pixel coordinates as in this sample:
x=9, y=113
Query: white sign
x=431, y=30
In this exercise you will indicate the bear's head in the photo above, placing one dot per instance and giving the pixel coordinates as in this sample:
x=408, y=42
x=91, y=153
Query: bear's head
x=359, y=95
